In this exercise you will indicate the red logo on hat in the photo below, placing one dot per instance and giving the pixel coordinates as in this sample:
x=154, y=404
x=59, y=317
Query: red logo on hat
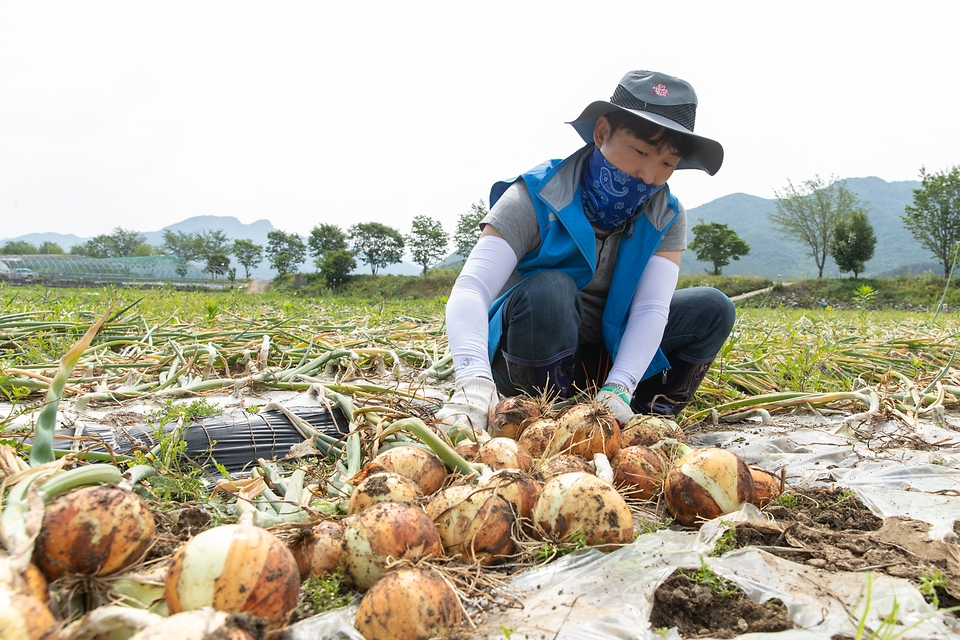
x=661, y=90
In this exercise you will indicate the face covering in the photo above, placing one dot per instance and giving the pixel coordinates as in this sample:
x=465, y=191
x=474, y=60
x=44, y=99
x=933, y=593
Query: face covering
x=611, y=197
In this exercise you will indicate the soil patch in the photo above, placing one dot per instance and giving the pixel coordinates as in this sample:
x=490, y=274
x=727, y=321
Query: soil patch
x=176, y=527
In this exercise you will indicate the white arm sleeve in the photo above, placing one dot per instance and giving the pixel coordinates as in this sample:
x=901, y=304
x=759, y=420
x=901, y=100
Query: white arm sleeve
x=646, y=322
x=486, y=271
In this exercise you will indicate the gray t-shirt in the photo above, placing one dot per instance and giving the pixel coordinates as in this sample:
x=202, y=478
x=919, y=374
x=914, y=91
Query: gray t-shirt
x=515, y=218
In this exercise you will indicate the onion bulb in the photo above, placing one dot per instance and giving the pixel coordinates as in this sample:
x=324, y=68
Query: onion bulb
x=23, y=617
x=387, y=530
x=94, y=530
x=473, y=522
x=202, y=624
x=706, y=484
x=422, y=466
x=467, y=450
x=581, y=504
x=504, y=453
x=29, y=582
x=409, y=604
x=586, y=429
x=639, y=470
x=511, y=415
x=766, y=486
x=648, y=430
x=317, y=552
x=380, y=487
x=235, y=568
x=516, y=487
x=537, y=435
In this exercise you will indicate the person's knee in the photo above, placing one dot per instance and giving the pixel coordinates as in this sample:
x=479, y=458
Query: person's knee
x=546, y=296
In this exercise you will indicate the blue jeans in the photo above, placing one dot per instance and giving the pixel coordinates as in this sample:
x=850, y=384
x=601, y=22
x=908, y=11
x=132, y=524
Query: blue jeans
x=541, y=318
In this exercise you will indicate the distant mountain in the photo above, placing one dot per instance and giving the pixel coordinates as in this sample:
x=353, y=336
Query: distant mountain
x=770, y=255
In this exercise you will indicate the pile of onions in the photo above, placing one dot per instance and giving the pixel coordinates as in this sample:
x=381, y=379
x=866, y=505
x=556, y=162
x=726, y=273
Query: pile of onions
x=585, y=430
x=24, y=617
x=707, y=483
x=504, y=453
x=511, y=415
x=648, y=430
x=639, y=471
x=537, y=435
x=421, y=466
x=474, y=523
x=409, y=604
x=94, y=530
x=381, y=487
x=582, y=504
x=235, y=568
x=317, y=552
x=387, y=530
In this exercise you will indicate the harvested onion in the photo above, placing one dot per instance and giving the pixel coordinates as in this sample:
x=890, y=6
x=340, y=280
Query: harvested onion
x=23, y=617
x=640, y=471
x=504, y=453
x=648, y=430
x=381, y=487
x=585, y=430
x=766, y=486
x=520, y=489
x=421, y=466
x=511, y=415
x=235, y=568
x=575, y=504
x=317, y=552
x=473, y=522
x=706, y=484
x=387, y=530
x=409, y=604
x=96, y=530
x=537, y=435
x=202, y=624
x=563, y=463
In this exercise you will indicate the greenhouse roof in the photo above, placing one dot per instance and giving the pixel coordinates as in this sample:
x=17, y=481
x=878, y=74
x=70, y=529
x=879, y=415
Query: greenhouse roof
x=73, y=267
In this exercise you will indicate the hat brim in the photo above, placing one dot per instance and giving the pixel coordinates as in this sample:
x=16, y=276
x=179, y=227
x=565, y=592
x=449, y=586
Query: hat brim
x=707, y=158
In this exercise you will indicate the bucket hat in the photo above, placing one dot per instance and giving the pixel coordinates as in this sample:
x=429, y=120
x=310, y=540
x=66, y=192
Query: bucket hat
x=664, y=100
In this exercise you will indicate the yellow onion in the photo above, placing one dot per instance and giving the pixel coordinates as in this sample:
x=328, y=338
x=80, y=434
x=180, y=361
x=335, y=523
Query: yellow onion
x=511, y=415
x=202, y=624
x=387, y=530
x=706, y=484
x=24, y=617
x=648, y=430
x=766, y=486
x=581, y=504
x=317, y=552
x=29, y=582
x=504, y=453
x=536, y=436
x=235, y=568
x=467, y=450
x=95, y=530
x=473, y=522
x=639, y=470
x=586, y=429
x=409, y=604
x=380, y=487
x=421, y=466
x=563, y=463
x=516, y=487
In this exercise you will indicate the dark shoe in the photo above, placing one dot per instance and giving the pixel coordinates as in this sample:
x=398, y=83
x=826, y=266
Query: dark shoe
x=534, y=377
x=668, y=392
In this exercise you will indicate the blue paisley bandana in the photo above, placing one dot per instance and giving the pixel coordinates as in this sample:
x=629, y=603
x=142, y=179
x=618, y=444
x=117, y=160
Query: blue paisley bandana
x=611, y=197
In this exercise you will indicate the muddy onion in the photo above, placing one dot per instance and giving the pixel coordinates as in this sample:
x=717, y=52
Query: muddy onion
x=202, y=624
x=706, y=484
x=648, y=430
x=766, y=486
x=473, y=522
x=317, y=552
x=504, y=453
x=394, y=530
x=409, y=604
x=29, y=582
x=468, y=450
x=586, y=429
x=421, y=466
x=516, y=487
x=235, y=568
x=95, y=530
x=380, y=487
x=24, y=617
x=639, y=470
x=582, y=504
x=536, y=436
x=563, y=463
x=510, y=416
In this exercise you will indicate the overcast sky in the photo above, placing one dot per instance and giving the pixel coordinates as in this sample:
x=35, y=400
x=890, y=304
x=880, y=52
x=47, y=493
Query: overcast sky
x=141, y=114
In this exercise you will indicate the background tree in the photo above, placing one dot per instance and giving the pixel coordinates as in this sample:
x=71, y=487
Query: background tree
x=50, y=248
x=218, y=265
x=337, y=265
x=214, y=242
x=121, y=243
x=853, y=243
x=186, y=246
x=18, y=248
x=717, y=244
x=468, y=229
x=248, y=253
x=934, y=217
x=810, y=213
x=324, y=238
x=427, y=241
x=378, y=244
x=285, y=251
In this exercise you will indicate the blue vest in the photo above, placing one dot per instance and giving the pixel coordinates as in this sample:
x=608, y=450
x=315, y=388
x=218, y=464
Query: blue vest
x=568, y=244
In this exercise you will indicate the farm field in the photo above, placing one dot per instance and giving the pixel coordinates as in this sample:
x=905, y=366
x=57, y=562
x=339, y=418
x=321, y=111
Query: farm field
x=855, y=409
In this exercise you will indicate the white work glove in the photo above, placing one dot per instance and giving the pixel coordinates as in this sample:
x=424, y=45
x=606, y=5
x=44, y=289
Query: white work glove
x=472, y=403
x=617, y=401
